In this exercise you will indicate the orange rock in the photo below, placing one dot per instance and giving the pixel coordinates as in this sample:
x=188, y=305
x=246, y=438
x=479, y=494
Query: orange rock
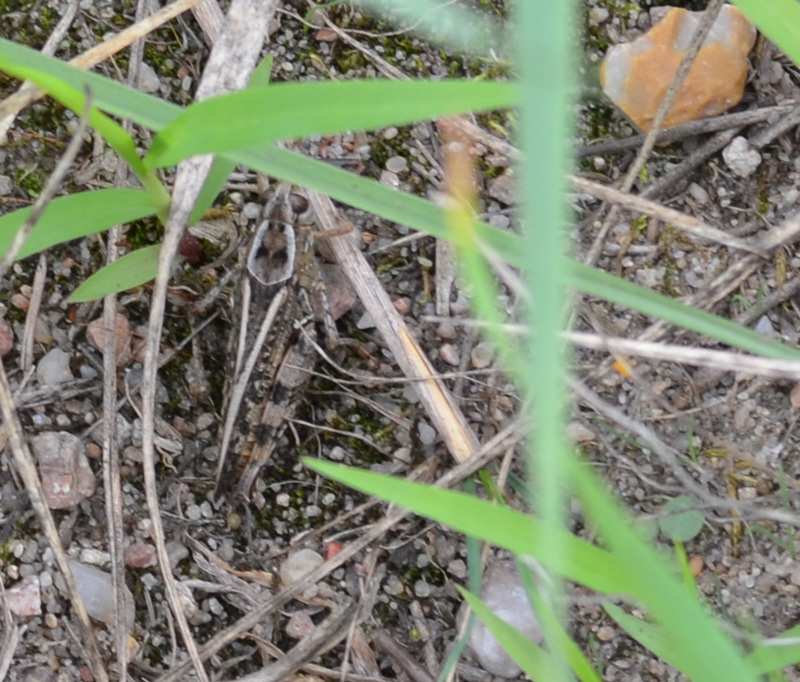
x=637, y=75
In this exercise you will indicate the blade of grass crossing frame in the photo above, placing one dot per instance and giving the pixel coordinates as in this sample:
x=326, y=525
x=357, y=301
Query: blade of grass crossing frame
x=544, y=55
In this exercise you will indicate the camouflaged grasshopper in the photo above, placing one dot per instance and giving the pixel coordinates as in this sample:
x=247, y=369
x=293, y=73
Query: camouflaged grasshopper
x=272, y=347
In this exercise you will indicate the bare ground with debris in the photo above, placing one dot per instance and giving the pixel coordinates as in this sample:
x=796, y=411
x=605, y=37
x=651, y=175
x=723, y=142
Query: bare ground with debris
x=725, y=438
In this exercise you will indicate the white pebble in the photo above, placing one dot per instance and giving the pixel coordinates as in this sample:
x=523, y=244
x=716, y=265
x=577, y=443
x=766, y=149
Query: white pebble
x=740, y=157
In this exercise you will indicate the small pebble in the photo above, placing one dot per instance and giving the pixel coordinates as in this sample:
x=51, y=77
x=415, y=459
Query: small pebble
x=447, y=331
x=6, y=337
x=53, y=368
x=396, y=164
x=390, y=133
x=698, y=193
x=740, y=157
x=422, y=589
x=502, y=592
x=148, y=79
x=300, y=625
x=427, y=434
x=25, y=598
x=449, y=353
x=606, y=633
x=299, y=564
x=482, y=355
x=20, y=301
x=94, y=586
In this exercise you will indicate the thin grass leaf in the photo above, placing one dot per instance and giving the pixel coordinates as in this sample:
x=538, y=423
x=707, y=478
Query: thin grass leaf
x=620, y=291
x=534, y=661
x=77, y=215
x=779, y=20
x=451, y=26
x=290, y=110
x=687, y=626
x=222, y=167
x=112, y=132
x=582, y=562
x=108, y=95
x=770, y=656
x=128, y=272
x=566, y=647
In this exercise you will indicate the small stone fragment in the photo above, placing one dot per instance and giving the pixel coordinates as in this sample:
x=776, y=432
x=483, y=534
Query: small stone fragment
x=449, y=353
x=636, y=75
x=96, y=335
x=699, y=194
x=20, y=301
x=148, y=79
x=740, y=157
x=482, y=355
x=25, y=598
x=6, y=185
x=502, y=591
x=53, y=368
x=299, y=564
x=502, y=188
x=41, y=332
x=300, y=625
x=140, y=555
x=578, y=433
x=605, y=633
x=6, y=336
x=64, y=469
x=94, y=586
x=396, y=164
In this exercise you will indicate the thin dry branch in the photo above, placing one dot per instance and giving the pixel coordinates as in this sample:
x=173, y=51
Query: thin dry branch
x=232, y=60
x=439, y=404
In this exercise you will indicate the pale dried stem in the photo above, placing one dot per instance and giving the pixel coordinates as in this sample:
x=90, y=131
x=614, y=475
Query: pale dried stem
x=439, y=404
x=232, y=60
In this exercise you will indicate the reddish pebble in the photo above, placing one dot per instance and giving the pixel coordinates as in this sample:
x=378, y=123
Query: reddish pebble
x=326, y=35
x=20, y=302
x=140, y=555
x=402, y=305
x=94, y=451
x=794, y=397
x=636, y=75
x=96, y=334
x=332, y=549
x=186, y=429
x=696, y=565
x=86, y=674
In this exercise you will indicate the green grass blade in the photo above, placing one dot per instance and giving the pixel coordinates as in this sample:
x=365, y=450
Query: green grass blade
x=767, y=658
x=503, y=527
x=129, y=271
x=77, y=215
x=108, y=95
x=448, y=25
x=111, y=131
x=653, y=579
x=290, y=110
x=534, y=661
x=779, y=20
x=222, y=167
x=618, y=290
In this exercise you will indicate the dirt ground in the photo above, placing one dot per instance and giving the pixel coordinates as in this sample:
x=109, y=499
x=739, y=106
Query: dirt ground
x=727, y=439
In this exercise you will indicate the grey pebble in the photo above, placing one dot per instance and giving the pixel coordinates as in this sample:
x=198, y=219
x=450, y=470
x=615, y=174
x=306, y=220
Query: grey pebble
x=396, y=164
x=427, y=434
